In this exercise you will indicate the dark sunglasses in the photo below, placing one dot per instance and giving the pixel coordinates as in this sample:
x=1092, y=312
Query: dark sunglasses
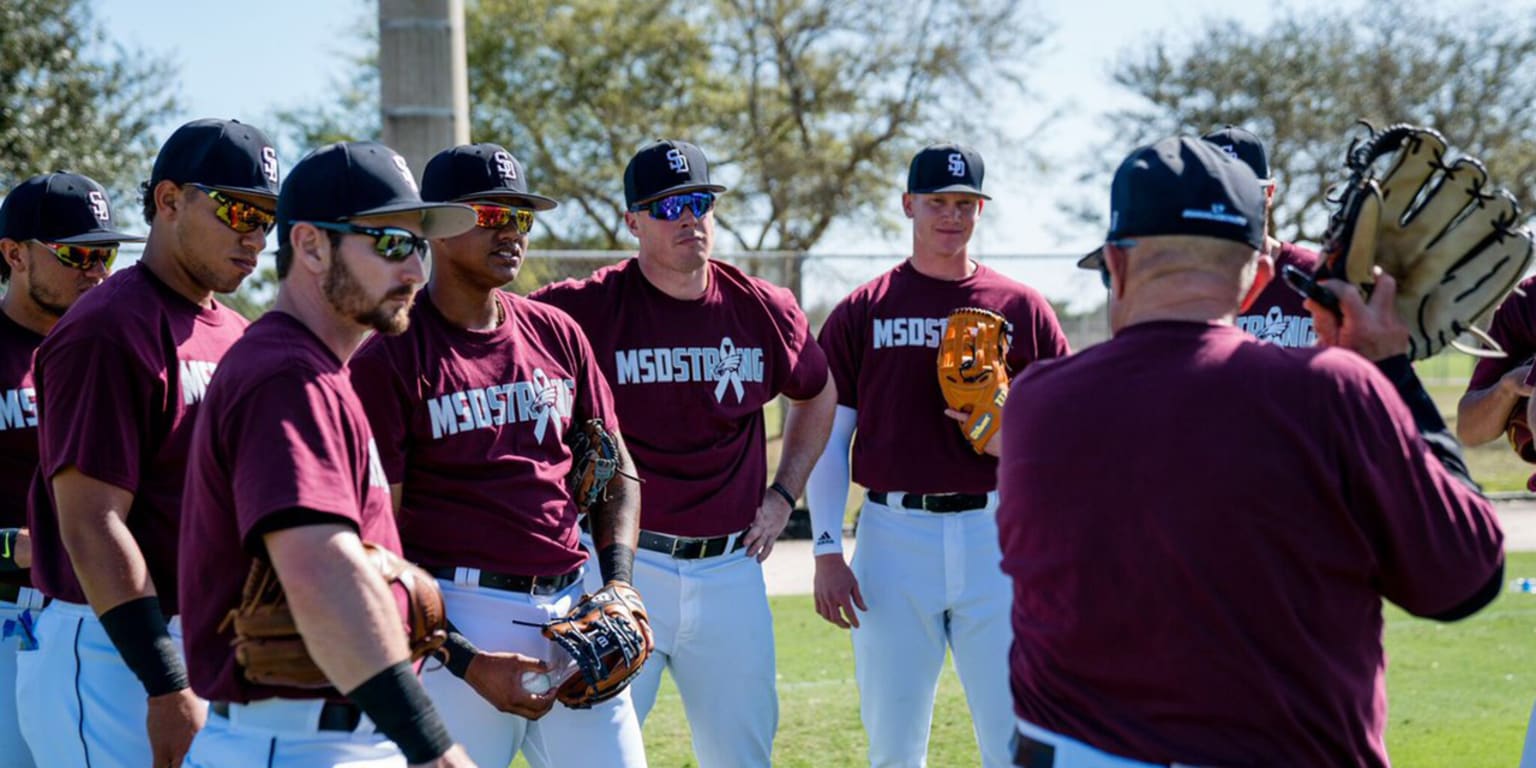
x=238, y=215
x=671, y=208
x=500, y=216
x=390, y=243
x=82, y=257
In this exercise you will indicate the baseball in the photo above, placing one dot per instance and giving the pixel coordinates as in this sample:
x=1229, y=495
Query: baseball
x=536, y=682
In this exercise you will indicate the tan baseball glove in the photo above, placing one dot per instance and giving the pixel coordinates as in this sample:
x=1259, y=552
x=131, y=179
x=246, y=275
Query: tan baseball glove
x=1449, y=238
x=973, y=370
x=267, y=643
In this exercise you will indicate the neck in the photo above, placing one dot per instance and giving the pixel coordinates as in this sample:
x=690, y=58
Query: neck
x=1189, y=298
x=20, y=308
x=161, y=261
x=943, y=266
x=464, y=305
x=306, y=303
x=684, y=285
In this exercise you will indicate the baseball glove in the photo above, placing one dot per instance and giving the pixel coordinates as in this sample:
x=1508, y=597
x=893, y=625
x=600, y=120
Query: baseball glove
x=1447, y=236
x=608, y=637
x=267, y=643
x=594, y=461
x=973, y=370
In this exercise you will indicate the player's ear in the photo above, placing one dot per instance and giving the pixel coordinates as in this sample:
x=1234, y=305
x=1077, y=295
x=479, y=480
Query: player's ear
x=311, y=247
x=1264, y=272
x=631, y=221
x=906, y=204
x=167, y=198
x=12, y=252
x=981, y=203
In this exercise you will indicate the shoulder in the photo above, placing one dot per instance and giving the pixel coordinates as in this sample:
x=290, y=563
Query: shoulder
x=731, y=278
x=1015, y=293
x=592, y=288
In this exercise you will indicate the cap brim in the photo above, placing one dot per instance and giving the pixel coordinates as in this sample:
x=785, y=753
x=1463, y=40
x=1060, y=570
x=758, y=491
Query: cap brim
x=98, y=237
x=438, y=220
x=961, y=188
x=679, y=189
x=1094, y=260
x=265, y=194
x=521, y=199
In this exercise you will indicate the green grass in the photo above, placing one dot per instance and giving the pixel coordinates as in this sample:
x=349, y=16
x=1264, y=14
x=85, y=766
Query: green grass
x=1459, y=694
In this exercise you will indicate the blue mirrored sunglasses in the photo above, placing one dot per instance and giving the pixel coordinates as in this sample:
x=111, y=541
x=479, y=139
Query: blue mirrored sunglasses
x=671, y=208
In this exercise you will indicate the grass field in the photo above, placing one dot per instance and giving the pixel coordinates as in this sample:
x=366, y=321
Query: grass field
x=1459, y=693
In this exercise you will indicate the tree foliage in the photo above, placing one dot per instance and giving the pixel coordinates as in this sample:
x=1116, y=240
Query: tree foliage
x=72, y=100
x=808, y=109
x=1301, y=84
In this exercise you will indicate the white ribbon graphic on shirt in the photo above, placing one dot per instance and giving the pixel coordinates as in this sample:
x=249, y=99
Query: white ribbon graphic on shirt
x=545, y=404
x=728, y=371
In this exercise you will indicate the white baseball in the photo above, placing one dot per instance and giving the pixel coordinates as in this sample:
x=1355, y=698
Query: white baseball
x=536, y=682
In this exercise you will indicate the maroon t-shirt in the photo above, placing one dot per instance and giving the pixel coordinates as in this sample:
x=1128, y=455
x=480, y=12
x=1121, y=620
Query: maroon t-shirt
x=882, y=345
x=1514, y=328
x=473, y=424
x=1200, y=544
x=1277, y=315
x=18, y=429
x=118, y=382
x=690, y=379
x=282, y=430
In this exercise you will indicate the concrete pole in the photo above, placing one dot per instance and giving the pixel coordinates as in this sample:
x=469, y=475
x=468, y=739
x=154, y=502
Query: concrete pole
x=424, y=89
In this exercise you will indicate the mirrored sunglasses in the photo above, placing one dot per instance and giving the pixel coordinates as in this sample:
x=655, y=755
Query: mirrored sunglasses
x=390, y=243
x=82, y=257
x=501, y=216
x=238, y=215
x=671, y=208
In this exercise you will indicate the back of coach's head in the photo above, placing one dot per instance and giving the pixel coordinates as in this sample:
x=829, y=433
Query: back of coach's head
x=1184, y=218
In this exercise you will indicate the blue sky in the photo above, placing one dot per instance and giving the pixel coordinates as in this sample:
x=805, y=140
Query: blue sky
x=248, y=61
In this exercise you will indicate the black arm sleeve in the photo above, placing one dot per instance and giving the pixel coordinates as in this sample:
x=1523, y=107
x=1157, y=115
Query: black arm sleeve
x=1442, y=443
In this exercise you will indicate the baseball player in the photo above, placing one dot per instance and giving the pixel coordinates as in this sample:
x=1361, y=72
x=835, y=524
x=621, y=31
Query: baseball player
x=925, y=573
x=127, y=366
x=1276, y=314
x=471, y=407
x=283, y=466
x=693, y=349
x=57, y=241
x=1175, y=601
x=1497, y=392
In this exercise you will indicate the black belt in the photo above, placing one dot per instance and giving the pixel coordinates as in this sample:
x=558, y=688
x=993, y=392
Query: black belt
x=334, y=715
x=936, y=502
x=511, y=582
x=687, y=548
x=1032, y=753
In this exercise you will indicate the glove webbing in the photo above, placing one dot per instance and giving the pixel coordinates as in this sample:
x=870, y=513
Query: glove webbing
x=588, y=656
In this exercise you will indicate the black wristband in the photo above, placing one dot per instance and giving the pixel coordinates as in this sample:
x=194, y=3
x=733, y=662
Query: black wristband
x=617, y=563
x=457, y=651
x=8, y=550
x=139, y=631
x=399, y=707
x=778, y=487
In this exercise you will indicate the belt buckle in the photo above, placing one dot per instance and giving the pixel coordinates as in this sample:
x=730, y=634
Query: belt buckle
x=922, y=502
x=677, y=541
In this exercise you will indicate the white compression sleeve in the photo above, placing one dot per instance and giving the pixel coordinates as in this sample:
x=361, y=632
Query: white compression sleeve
x=827, y=490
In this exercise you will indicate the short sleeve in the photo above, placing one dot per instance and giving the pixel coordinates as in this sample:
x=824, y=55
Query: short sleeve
x=381, y=386
x=96, y=412
x=1436, y=540
x=807, y=363
x=839, y=342
x=287, y=446
x=1512, y=327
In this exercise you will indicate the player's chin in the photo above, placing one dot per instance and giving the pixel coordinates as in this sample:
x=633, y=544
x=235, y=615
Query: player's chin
x=390, y=318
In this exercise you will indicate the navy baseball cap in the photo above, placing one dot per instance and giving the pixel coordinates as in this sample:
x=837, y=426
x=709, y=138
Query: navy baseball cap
x=1183, y=186
x=478, y=172
x=350, y=180
x=666, y=167
x=946, y=168
x=226, y=155
x=62, y=208
x=1242, y=145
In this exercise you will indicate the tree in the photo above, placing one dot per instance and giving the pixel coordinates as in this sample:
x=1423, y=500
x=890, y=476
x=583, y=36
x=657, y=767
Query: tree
x=1302, y=83
x=72, y=100
x=809, y=109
